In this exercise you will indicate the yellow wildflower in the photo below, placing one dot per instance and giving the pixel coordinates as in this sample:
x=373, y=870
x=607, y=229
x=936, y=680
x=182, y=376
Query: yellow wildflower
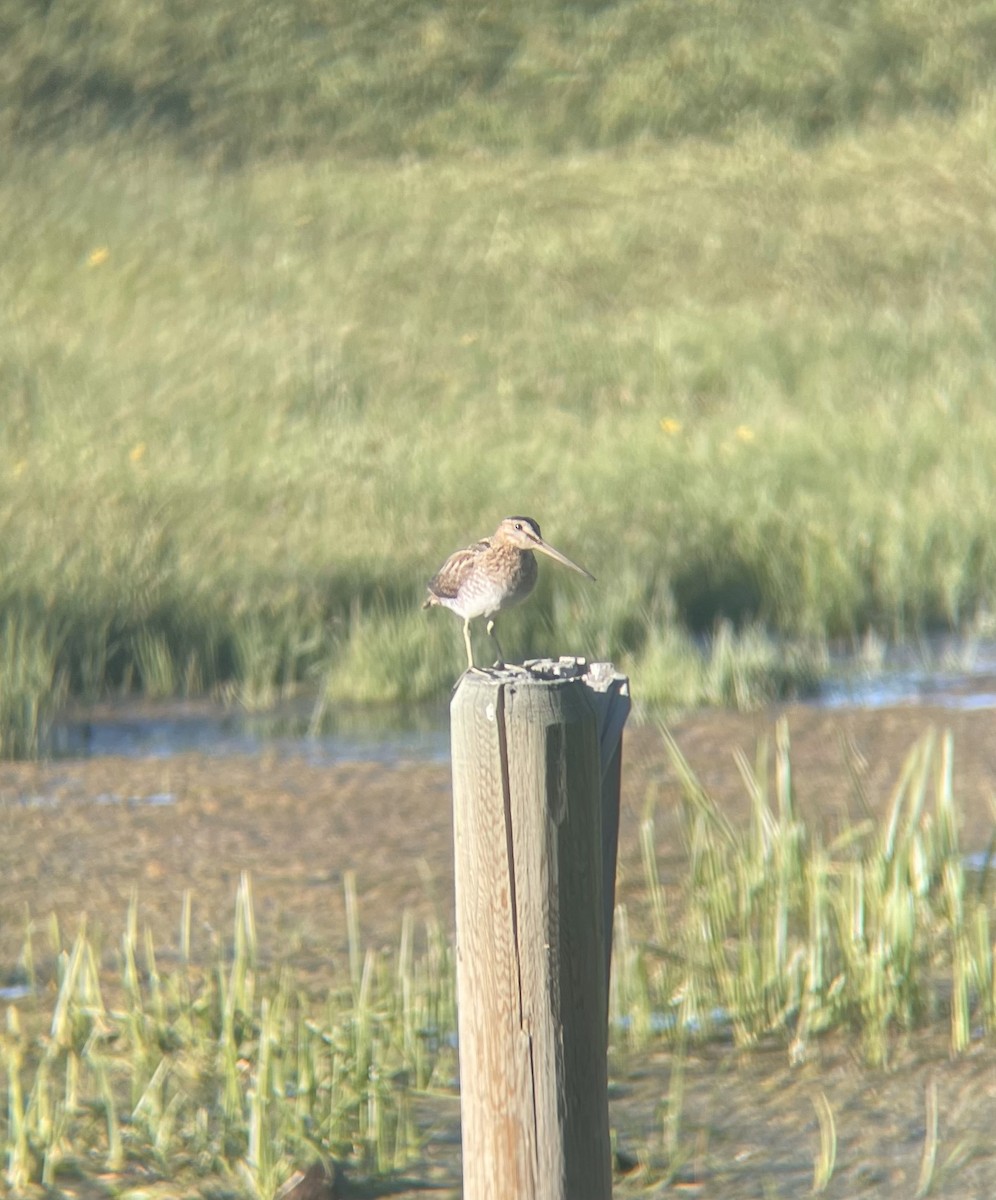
x=98, y=256
x=137, y=452
x=744, y=433
x=670, y=426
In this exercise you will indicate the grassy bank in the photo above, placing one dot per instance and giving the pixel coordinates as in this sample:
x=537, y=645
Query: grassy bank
x=304, y=77
x=254, y=395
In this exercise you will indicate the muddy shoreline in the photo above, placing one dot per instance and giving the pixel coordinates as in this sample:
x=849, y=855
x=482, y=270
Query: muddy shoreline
x=81, y=836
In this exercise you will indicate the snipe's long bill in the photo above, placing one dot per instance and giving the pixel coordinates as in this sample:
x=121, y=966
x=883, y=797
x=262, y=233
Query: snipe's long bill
x=492, y=575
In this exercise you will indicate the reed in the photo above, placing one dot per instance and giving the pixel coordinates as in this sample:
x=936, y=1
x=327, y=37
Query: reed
x=195, y=1071
x=881, y=930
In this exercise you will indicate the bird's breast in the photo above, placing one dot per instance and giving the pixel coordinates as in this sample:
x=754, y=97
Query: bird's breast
x=495, y=582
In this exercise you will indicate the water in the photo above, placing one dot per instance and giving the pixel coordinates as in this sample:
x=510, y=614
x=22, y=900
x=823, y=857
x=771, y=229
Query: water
x=15, y=991
x=142, y=730
x=941, y=674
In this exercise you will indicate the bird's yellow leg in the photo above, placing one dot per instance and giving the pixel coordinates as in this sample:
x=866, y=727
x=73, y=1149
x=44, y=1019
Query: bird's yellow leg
x=470, y=653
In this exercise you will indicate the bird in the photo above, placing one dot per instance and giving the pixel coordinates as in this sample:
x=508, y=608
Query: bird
x=492, y=575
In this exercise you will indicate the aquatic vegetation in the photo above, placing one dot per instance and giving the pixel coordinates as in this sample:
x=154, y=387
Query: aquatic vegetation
x=780, y=932
x=789, y=929
x=223, y=1070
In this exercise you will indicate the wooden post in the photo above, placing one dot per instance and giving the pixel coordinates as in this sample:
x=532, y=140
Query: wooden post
x=532, y=928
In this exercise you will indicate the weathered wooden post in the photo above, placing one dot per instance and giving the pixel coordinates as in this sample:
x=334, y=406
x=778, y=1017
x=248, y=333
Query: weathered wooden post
x=532, y=752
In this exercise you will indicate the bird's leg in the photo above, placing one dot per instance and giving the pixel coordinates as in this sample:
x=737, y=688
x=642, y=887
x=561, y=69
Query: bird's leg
x=494, y=637
x=472, y=670
x=501, y=664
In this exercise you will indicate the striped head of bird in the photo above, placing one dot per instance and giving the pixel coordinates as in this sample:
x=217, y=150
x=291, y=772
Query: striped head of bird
x=524, y=534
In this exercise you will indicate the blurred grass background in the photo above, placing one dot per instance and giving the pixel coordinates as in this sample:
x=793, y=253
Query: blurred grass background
x=298, y=299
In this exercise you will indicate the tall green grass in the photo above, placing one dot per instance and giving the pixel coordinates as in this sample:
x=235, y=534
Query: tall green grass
x=303, y=78
x=731, y=343
x=789, y=929
x=227, y=1072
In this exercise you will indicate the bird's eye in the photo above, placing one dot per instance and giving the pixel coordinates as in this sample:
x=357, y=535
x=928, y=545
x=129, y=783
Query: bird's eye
x=518, y=526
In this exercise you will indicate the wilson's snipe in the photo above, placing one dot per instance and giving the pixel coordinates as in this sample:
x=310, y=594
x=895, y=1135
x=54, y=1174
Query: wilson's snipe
x=492, y=575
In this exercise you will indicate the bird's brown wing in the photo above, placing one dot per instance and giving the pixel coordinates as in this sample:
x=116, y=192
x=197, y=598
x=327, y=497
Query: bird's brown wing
x=447, y=581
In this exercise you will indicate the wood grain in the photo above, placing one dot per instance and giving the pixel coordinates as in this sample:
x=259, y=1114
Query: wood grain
x=531, y=960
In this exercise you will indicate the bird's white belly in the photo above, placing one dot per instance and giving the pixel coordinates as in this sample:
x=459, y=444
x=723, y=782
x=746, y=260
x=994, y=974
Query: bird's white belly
x=482, y=597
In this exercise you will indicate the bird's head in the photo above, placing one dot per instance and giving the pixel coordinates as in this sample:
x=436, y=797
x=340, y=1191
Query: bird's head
x=524, y=533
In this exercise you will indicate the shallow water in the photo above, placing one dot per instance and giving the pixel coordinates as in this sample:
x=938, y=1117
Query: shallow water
x=388, y=736
x=939, y=673
x=140, y=730
x=936, y=690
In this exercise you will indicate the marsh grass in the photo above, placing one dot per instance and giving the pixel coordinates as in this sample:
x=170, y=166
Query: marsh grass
x=782, y=931
x=297, y=307
x=229, y=1071
x=786, y=929
x=34, y=684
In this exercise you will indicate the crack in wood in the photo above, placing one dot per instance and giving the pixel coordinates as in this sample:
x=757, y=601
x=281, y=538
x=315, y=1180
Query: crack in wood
x=506, y=789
